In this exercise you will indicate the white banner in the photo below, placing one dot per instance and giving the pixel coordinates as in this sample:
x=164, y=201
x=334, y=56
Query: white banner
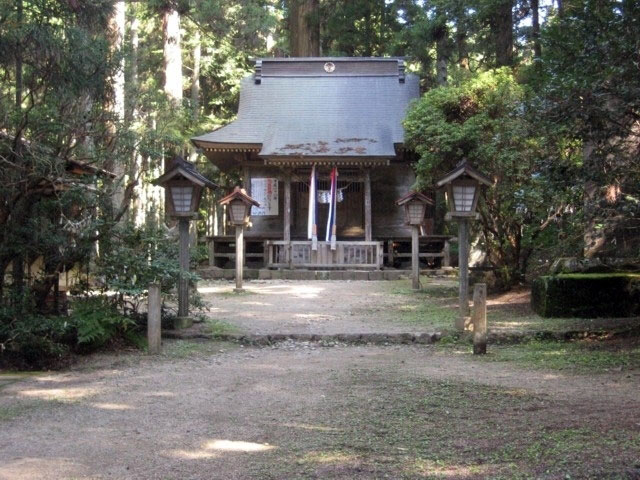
x=265, y=192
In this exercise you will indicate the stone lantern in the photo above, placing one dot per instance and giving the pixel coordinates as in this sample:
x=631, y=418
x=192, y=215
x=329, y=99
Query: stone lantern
x=183, y=186
x=415, y=207
x=239, y=209
x=463, y=185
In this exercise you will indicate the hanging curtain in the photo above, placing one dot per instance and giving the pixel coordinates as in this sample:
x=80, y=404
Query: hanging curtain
x=331, y=220
x=324, y=196
x=312, y=227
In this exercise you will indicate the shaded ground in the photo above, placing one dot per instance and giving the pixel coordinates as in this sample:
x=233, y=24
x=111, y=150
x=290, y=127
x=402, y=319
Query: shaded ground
x=219, y=411
x=335, y=307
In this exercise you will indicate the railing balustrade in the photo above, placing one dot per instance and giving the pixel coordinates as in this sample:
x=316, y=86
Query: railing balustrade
x=299, y=254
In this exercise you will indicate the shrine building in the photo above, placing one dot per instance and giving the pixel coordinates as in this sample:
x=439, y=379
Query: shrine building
x=302, y=119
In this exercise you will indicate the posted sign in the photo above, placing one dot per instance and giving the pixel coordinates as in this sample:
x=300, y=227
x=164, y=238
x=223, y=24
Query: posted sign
x=265, y=192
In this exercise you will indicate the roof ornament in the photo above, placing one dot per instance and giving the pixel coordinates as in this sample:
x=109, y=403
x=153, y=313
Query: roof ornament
x=257, y=76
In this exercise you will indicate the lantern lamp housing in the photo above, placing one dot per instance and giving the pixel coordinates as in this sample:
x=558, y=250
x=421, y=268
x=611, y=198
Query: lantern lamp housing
x=415, y=207
x=463, y=186
x=184, y=186
x=239, y=206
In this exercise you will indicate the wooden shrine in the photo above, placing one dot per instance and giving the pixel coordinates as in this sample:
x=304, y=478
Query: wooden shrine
x=347, y=113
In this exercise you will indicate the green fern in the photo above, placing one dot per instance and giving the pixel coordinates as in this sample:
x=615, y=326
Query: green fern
x=97, y=321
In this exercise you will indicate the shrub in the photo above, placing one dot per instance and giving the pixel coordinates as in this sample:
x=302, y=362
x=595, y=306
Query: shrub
x=587, y=295
x=134, y=258
x=97, y=321
x=33, y=341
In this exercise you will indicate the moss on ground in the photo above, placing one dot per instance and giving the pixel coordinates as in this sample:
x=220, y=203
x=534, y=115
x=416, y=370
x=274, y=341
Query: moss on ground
x=221, y=327
x=578, y=356
x=410, y=428
x=435, y=307
x=195, y=348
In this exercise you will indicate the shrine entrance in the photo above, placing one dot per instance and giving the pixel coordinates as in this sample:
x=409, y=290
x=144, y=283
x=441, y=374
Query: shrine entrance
x=350, y=211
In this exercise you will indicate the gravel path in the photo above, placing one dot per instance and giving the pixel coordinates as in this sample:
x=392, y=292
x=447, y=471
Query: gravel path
x=236, y=413
x=285, y=307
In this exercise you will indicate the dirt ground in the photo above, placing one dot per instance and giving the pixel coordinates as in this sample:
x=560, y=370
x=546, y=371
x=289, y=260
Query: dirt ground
x=299, y=412
x=363, y=307
x=212, y=410
x=281, y=306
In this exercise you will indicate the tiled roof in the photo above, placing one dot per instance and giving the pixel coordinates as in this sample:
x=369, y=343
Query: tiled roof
x=179, y=166
x=354, y=111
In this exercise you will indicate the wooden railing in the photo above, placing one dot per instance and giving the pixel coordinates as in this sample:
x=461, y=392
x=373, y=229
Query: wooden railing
x=299, y=254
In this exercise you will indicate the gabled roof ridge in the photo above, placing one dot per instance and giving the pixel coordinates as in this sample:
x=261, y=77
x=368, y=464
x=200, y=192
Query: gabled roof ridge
x=329, y=67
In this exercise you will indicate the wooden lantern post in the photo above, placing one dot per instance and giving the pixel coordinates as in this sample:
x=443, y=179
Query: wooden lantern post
x=463, y=190
x=184, y=186
x=239, y=208
x=415, y=207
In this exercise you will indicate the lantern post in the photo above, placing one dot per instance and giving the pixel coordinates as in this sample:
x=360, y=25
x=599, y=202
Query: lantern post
x=463, y=186
x=183, y=186
x=239, y=208
x=415, y=207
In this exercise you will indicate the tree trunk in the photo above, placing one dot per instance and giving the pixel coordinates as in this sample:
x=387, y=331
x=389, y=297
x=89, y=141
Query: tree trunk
x=116, y=31
x=133, y=83
x=195, y=76
x=172, y=55
x=304, y=28
x=116, y=27
x=195, y=89
x=18, y=259
x=462, y=35
x=133, y=115
x=502, y=30
x=442, y=54
x=441, y=37
x=19, y=82
x=463, y=52
x=535, y=28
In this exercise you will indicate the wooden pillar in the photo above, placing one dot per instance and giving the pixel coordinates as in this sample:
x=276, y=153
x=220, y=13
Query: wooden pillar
x=183, y=284
x=463, y=268
x=287, y=207
x=212, y=252
x=446, y=259
x=390, y=259
x=479, y=317
x=154, y=319
x=415, y=257
x=239, y=257
x=367, y=205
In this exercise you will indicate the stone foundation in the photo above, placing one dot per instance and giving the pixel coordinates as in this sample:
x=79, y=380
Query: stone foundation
x=213, y=273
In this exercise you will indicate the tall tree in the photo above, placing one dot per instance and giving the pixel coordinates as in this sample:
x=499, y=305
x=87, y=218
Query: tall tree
x=172, y=54
x=535, y=28
x=462, y=36
x=441, y=35
x=502, y=32
x=116, y=104
x=304, y=28
x=597, y=99
x=195, y=75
